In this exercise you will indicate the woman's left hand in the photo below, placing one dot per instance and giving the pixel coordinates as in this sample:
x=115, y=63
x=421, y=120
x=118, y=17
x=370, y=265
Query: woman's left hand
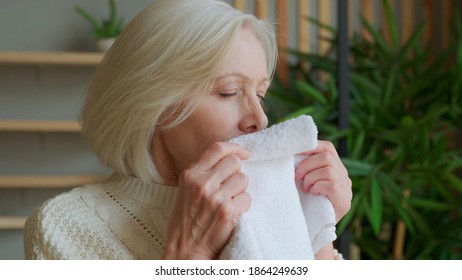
x=322, y=172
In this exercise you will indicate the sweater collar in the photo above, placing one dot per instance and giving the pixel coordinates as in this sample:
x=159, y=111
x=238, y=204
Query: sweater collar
x=152, y=194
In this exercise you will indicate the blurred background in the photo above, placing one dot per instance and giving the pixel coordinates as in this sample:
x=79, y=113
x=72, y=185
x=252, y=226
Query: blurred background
x=391, y=102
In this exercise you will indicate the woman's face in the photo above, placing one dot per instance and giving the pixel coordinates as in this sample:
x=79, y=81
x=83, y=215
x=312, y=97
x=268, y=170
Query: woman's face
x=232, y=108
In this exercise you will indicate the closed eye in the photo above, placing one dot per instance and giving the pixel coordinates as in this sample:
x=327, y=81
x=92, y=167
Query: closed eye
x=261, y=96
x=230, y=92
x=227, y=94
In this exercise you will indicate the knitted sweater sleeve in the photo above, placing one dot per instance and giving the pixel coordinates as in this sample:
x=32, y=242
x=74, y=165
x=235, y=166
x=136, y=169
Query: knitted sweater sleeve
x=96, y=222
x=66, y=227
x=33, y=246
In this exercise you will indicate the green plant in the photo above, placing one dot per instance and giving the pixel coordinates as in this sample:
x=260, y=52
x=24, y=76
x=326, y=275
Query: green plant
x=107, y=28
x=404, y=159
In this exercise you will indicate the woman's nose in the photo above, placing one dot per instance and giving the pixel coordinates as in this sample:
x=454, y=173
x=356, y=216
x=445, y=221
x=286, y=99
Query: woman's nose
x=253, y=118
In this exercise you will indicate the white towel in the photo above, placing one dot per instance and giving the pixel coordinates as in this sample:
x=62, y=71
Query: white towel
x=282, y=222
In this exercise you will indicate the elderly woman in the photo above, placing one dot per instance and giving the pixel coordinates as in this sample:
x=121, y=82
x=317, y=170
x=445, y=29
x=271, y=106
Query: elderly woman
x=181, y=80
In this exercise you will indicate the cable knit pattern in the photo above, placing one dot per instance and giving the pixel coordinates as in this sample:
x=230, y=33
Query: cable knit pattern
x=120, y=218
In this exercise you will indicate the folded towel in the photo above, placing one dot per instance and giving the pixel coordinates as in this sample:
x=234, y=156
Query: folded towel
x=282, y=222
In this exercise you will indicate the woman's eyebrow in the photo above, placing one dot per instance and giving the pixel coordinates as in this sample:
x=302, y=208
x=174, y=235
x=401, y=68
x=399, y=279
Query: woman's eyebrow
x=240, y=75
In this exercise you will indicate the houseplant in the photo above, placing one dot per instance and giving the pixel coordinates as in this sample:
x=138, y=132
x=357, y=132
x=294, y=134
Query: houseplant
x=104, y=31
x=404, y=161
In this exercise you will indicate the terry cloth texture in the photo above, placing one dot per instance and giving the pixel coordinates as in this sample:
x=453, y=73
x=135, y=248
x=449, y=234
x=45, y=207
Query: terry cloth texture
x=283, y=222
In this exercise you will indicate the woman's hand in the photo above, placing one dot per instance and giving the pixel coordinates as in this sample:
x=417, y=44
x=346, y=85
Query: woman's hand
x=210, y=200
x=322, y=172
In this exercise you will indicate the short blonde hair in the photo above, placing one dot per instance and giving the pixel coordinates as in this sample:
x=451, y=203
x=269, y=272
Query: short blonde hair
x=161, y=65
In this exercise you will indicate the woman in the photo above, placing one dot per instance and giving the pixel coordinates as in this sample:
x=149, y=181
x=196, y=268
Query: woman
x=182, y=79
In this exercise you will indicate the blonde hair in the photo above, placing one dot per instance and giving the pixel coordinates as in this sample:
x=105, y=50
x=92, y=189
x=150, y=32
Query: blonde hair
x=158, y=68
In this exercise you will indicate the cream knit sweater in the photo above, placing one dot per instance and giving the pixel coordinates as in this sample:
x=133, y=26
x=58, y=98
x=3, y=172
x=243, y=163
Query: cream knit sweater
x=120, y=218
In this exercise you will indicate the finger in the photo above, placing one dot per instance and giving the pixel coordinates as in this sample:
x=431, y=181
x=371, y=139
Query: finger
x=212, y=155
x=208, y=182
x=241, y=203
x=218, y=201
x=327, y=183
x=228, y=212
x=226, y=217
x=323, y=187
x=225, y=168
x=316, y=161
x=325, y=146
x=234, y=185
x=340, y=197
x=326, y=173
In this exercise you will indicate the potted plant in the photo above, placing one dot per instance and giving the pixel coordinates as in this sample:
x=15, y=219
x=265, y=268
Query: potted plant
x=105, y=31
x=403, y=155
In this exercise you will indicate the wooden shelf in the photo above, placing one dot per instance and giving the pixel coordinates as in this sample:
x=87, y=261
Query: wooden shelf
x=47, y=181
x=39, y=126
x=34, y=59
x=12, y=222
x=52, y=58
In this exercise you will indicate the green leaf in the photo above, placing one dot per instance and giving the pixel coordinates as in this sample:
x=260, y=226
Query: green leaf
x=110, y=27
x=421, y=226
x=442, y=190
x=333, y=136
x=302, y=111
x=454, y=181
x=332, y=90
x=426, y=252
x=357, y=167
x=316, y=61
x=459, y=53
x=378, y=39
x=429, y=204
x=365, y=83
x=321, y=24
x=359, y=144
x=376, y=206
x=413, y=40
x=391, y=23
x=112, y=11
x=431, y=116
x=371, y=155
x=405, y=216
x=282, y=98
x=389, y=86
x=93, y=22
x=311, y=92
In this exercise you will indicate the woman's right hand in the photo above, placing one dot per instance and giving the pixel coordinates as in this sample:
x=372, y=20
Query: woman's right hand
x=210, y=200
